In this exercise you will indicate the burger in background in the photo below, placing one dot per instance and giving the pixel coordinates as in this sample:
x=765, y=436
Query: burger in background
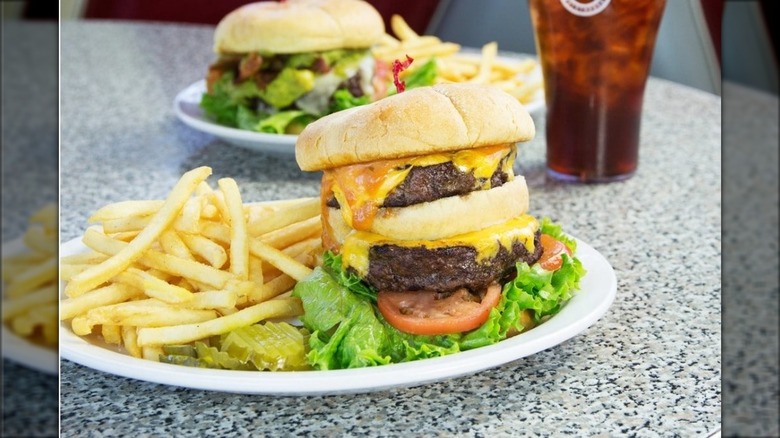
x=430, y=247
x=283, y=64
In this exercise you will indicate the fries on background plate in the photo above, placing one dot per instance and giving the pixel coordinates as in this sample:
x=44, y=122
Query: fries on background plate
x=450, y=64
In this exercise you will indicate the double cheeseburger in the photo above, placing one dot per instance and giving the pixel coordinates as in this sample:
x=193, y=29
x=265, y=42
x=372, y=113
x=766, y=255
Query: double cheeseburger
x=422, y=208
x=283, y=64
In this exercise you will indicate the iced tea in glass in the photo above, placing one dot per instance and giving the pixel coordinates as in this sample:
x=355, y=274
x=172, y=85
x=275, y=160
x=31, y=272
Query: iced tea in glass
x=595, y=58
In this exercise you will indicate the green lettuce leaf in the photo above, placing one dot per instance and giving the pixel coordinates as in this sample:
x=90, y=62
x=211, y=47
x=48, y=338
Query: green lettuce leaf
x=423, y=76
x=332, y=263
x=345, y=332
x=279, y=122
x=343, y=99
x=338, y=59
x=219, y=105
x=556, y=231
x=227, y=102
x=544, y=291
x=227, y=105
x=299, y=60
x=247, y=119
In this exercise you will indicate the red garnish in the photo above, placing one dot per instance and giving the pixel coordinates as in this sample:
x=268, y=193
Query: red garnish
x=398, y=67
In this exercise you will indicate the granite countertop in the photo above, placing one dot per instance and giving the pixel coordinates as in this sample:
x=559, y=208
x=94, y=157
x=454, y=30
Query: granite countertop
x=649, y=367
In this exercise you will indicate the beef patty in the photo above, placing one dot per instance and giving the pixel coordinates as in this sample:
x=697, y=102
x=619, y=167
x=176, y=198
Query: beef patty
x=397, y=268
x=437, y=181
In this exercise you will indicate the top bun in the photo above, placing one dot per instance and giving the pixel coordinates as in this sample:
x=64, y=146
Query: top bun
x=296, y=26
x=421, y=121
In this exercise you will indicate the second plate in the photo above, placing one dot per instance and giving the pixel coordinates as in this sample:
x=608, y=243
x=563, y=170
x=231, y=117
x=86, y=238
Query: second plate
x=187, y=108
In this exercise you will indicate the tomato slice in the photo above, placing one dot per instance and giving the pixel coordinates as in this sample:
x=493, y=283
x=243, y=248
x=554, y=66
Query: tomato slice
x=420, y=313
x=552, y=249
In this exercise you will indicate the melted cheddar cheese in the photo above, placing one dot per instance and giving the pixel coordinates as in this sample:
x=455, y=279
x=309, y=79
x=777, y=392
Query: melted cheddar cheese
x=361, y=189
x=487, y=242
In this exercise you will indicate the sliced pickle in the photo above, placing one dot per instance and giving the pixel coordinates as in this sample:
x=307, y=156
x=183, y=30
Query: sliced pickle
x=180, y=350
x=188, y=361
x=270, y=346
x=219, y=359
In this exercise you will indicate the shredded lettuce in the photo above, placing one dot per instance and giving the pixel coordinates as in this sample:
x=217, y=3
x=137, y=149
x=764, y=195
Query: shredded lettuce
x=245, y=106
x=279, y=122
x=338, y=59
x=228, y=104
x=246, y=118
x=348, y=331
x=219, y=104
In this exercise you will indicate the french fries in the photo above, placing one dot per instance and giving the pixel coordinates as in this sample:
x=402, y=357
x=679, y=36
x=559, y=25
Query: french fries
x=30, y=281
x=102, y=272
x=280, y=308
x=452, y=65
x=239, y=242
x=197, y=264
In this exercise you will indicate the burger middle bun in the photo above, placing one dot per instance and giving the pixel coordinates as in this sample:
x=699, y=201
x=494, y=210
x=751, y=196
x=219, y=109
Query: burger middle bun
x=446, y=217
x=420, y=121
x=297, y=26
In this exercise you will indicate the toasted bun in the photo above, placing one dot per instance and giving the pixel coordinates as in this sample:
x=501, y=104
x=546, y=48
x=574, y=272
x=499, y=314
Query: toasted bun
x=296, y=26
x=434, y=220
x=426, y=120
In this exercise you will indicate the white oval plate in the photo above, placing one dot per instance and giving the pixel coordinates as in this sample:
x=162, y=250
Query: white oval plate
x=597, y=292
x=18, y=349
x=186, y=105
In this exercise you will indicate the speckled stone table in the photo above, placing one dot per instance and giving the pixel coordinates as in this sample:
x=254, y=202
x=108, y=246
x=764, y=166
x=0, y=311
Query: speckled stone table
x=29, y=180
x=649, y=367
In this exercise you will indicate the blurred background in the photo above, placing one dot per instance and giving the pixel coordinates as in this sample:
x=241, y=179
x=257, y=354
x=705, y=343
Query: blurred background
x=700, y=41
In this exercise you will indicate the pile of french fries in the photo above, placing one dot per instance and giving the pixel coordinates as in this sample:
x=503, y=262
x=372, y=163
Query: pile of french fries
x=30, y=280
x=197, y=264
x=513, y=76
